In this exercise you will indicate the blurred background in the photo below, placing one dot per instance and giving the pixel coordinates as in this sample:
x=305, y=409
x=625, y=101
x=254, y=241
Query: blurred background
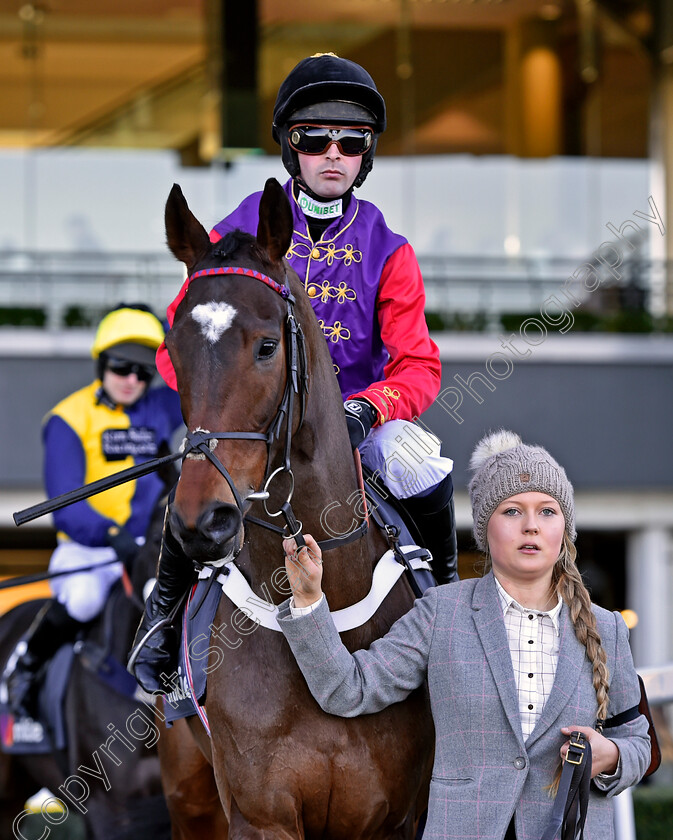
x=527, y=159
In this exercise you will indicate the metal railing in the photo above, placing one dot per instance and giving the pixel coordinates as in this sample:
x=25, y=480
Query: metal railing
x=59, y=282
x=495, y=285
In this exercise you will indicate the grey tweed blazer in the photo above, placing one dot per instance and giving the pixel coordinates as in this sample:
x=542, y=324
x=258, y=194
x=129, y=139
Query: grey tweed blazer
x=483, y=770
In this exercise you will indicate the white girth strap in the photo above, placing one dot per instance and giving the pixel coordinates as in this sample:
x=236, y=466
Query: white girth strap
x=386, y=574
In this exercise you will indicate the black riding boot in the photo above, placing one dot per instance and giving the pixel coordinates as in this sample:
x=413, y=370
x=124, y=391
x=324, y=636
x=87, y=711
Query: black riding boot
x=51, y=628
x=435, y=518
x=151, y=656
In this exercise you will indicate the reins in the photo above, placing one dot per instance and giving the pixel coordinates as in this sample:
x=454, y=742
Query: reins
x=87, y=490
x=39, y=576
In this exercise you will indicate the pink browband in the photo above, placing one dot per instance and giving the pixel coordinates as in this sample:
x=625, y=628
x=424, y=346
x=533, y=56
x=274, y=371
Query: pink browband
x=281, y=289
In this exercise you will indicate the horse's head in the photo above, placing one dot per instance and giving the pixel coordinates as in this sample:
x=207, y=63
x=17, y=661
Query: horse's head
x=230, y=344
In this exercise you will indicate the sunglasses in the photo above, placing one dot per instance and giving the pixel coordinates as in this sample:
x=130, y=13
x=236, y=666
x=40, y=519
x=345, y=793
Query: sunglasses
x=122, y=367
x=315, y=139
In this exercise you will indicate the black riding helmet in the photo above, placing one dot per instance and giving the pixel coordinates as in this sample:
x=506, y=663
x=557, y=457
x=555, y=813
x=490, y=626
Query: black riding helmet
x=325, y=88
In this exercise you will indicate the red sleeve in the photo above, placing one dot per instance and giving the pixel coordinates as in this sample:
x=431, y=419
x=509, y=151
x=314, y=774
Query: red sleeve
x=414, y=372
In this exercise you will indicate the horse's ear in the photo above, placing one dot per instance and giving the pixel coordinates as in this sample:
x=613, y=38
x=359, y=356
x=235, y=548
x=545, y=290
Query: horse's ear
x=274, y=232
x=185, y=235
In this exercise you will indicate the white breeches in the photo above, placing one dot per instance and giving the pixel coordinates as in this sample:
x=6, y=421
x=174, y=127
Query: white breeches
x=83, y=594
x=406, y=457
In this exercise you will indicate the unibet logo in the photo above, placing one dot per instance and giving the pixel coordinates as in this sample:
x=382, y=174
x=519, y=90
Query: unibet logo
x=320, y=210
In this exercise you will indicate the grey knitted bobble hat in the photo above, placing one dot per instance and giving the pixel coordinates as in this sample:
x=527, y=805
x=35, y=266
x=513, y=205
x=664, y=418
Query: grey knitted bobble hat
x=503, y=466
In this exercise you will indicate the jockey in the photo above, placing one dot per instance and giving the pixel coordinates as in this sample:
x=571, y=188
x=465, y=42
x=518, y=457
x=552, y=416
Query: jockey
x=115, y=422
x=366, y=288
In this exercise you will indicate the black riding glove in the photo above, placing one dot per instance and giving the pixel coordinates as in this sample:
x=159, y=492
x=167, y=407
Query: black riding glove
x=360, y=417
x=124, y=545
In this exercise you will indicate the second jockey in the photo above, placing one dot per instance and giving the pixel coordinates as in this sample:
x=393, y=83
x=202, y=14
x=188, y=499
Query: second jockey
x=113, y=423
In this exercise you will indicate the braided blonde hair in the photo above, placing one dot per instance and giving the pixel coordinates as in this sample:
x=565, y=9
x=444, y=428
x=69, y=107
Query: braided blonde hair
x=567, y=582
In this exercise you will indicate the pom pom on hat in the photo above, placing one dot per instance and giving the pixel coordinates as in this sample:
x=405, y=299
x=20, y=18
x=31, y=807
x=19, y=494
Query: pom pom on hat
x=492, y=444
x=504, y=466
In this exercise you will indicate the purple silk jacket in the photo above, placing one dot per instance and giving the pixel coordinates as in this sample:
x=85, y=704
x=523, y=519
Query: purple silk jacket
x=341, y=274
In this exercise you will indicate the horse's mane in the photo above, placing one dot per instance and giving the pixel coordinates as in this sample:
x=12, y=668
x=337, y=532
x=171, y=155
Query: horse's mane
x=235, y=240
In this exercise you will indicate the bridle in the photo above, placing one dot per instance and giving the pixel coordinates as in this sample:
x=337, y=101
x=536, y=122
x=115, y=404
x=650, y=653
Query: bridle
x=198, y=440
x=296, y=386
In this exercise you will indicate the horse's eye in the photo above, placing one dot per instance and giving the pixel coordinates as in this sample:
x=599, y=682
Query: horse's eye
x=267, y=349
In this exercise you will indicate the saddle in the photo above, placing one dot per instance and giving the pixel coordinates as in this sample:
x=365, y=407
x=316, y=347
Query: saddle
x=21, y=734
x=25, y=735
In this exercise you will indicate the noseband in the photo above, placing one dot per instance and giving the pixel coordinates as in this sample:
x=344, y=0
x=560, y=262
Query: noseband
x=296, y=385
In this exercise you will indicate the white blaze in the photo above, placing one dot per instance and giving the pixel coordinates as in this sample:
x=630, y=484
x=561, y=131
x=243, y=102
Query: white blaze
x=214, y=319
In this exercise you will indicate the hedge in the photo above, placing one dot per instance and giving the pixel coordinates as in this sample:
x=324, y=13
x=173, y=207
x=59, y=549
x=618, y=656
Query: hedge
x=653, y=812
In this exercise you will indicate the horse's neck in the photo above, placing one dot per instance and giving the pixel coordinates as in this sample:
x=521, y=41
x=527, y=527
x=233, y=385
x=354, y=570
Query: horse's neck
x=348, y=568
x=328, y=499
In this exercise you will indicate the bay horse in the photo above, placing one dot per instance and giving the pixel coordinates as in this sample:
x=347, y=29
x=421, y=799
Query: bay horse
x=267, y=434
x=122, y=801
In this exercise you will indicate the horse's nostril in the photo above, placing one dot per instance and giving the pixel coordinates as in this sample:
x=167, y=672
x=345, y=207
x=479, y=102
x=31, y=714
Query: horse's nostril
x=214, y=528
x=220, y=523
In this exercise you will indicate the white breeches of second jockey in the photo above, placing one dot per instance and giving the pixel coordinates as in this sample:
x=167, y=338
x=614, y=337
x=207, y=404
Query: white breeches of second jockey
x=83, y=594
x=406, y=457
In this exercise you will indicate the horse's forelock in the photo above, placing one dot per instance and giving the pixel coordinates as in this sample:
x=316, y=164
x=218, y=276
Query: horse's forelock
x=231, y=242
x=235, y=241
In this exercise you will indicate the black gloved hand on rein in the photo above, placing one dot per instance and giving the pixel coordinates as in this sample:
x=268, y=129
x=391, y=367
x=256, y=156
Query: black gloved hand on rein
x=360, y=417
x=124, y=545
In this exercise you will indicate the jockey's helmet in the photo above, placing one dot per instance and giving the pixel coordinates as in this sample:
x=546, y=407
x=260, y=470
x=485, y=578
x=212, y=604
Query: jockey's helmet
x=325, y=89
x=131, y=332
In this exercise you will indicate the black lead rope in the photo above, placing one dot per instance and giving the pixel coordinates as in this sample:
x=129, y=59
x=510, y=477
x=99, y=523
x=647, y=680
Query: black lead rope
x=572, y=799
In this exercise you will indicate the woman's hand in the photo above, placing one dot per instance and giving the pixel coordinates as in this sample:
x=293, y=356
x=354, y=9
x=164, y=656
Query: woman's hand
x=304, y=570
x=604, y=752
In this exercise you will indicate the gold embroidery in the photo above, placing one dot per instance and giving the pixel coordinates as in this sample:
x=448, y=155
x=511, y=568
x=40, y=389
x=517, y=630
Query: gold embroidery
x=388, y=393
x=336, y=332
x=343, y=293
x=328, y=252
x=299, y=249
x=324, y=291
x=324, y=252
x=351, y=254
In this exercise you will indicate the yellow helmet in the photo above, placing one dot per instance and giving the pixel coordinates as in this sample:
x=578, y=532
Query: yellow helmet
x=127, y=325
